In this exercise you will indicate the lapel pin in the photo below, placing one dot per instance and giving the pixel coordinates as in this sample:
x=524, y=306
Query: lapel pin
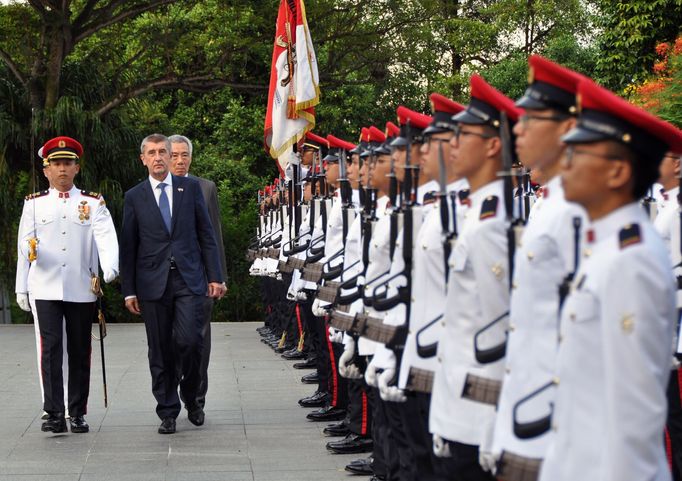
x=180, y=189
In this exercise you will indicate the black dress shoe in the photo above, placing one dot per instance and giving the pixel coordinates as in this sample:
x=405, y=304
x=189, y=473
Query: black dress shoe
x=56, y=423
x=352, y=443
x=336, y=429
x=319, y=399
x=296, y=355
x=196, y=415
x=285, y=347
x=327, y=413
x=361, y=466
x=167, y=426
x=78, y=424
x=310, y=363
x=312, y=378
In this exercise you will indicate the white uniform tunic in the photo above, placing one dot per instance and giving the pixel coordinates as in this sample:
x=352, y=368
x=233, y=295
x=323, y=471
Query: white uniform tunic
x=478, y=293
x=72, y=232
x=667, y=210
x=544, y=257
x=614, y=357
x=428, y=283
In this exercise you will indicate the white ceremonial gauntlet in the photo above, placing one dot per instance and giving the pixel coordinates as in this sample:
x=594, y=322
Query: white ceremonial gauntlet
x=441, y=448
x=22, y=300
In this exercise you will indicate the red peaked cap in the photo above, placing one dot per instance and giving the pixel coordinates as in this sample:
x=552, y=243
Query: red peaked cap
x=337, y=143
x=314, y=141
x=551, y=86
x=443, y=109
x=267, y=190
x=606, y=116
x=362, y=143
x=392, y=130
x=486, y=104
x=417, y=123
x=376, y=135
x=61, y=148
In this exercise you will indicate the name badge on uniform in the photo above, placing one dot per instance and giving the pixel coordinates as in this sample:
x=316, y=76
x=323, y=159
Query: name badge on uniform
x=83, y=211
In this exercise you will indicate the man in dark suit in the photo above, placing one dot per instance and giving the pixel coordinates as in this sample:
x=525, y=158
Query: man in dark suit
x=181, y=159
x=169, y=264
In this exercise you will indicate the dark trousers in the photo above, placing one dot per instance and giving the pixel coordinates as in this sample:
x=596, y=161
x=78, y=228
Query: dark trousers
x=674, y=424
x=401, y=464
x=174, y=327
x=463, y=464
x=338, y=384
x=415, y=415
x=78, y=317
x=383, y=450
x=205, y=353
x=359, y=414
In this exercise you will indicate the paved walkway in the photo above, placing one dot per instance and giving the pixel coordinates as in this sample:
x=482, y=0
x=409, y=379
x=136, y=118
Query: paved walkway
x=254, y=428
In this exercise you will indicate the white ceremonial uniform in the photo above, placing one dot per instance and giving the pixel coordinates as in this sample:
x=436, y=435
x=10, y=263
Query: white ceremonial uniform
x=72, y=232
x=428, y=283
x=544, y=257
x=667, y=210
x=379, y=266
x=478, y=293
x=614, y=357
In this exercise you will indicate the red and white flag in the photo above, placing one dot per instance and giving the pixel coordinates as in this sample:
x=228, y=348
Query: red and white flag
x=294, y=83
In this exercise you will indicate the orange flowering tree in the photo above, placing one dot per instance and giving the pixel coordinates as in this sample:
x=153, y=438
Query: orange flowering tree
x=661, y=93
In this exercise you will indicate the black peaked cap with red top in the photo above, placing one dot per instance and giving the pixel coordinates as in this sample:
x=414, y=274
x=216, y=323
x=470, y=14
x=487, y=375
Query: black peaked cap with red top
x=412, y=125
x=375, y=139
x=61, y=148
x=362, y=142
x=550, y=86
x=606, y=116
x=443, y=109
x=486, y=104
x=336, y=145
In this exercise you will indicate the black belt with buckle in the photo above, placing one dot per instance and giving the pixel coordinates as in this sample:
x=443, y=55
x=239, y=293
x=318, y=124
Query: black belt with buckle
x=173, y=265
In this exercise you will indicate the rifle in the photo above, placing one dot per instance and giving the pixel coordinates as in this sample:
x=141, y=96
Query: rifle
x=514, y=228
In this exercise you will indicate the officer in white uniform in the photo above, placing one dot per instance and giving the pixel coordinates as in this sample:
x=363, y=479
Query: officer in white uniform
x=63, y=232
x=466, y=384
x=544, y=258
x=26, y=303
x=617, y=323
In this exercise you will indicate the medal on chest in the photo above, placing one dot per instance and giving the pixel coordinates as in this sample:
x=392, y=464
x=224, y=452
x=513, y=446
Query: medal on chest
x=83, y=211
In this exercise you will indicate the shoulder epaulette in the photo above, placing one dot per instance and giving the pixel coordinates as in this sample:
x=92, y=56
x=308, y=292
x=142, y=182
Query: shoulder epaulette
x=463, y=194
x=629, y=235
x=429, y=198
x=95, y=195
x=489, y=207
x=35, y=195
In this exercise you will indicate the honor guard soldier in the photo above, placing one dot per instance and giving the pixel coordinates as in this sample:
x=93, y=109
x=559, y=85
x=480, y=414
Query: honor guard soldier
x=66, y=233
x=545, y=258
x=468, y=379
x=616, y=324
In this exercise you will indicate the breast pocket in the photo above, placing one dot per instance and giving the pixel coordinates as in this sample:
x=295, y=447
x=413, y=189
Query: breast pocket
x=582, y=306
x=458, y=258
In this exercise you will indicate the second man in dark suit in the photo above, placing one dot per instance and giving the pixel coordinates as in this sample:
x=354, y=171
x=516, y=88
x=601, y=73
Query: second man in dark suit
x=169, y=264
x=181, y=159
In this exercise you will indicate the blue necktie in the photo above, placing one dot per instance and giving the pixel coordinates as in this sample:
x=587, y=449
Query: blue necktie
x=164, y=206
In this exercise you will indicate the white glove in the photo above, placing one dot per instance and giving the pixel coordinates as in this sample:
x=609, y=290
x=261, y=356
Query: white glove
x=390, y=393
x=440, y=448
x=301, y=296
x=488, y=461
x=371, y=377
x=335, y=335
x=22, y=300
x=109, y=276
x=346, y=368
x=317, y=310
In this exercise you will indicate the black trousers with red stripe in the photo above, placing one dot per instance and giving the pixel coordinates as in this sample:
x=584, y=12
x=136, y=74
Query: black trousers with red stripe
x=78, y=317
x=403, y=466
x=359, y=414
x=338, y=384
x=674, y=424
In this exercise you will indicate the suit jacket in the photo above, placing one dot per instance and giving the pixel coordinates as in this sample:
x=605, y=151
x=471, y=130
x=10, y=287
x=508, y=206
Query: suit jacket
x=147, y=247
x=210, y=193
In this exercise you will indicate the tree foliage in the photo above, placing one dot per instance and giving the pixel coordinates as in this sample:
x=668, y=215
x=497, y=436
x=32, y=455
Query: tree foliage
x=109, y=72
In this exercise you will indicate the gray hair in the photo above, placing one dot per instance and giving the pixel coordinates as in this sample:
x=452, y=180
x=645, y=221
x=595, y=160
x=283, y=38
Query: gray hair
x=155, y=138
x=176, y=139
